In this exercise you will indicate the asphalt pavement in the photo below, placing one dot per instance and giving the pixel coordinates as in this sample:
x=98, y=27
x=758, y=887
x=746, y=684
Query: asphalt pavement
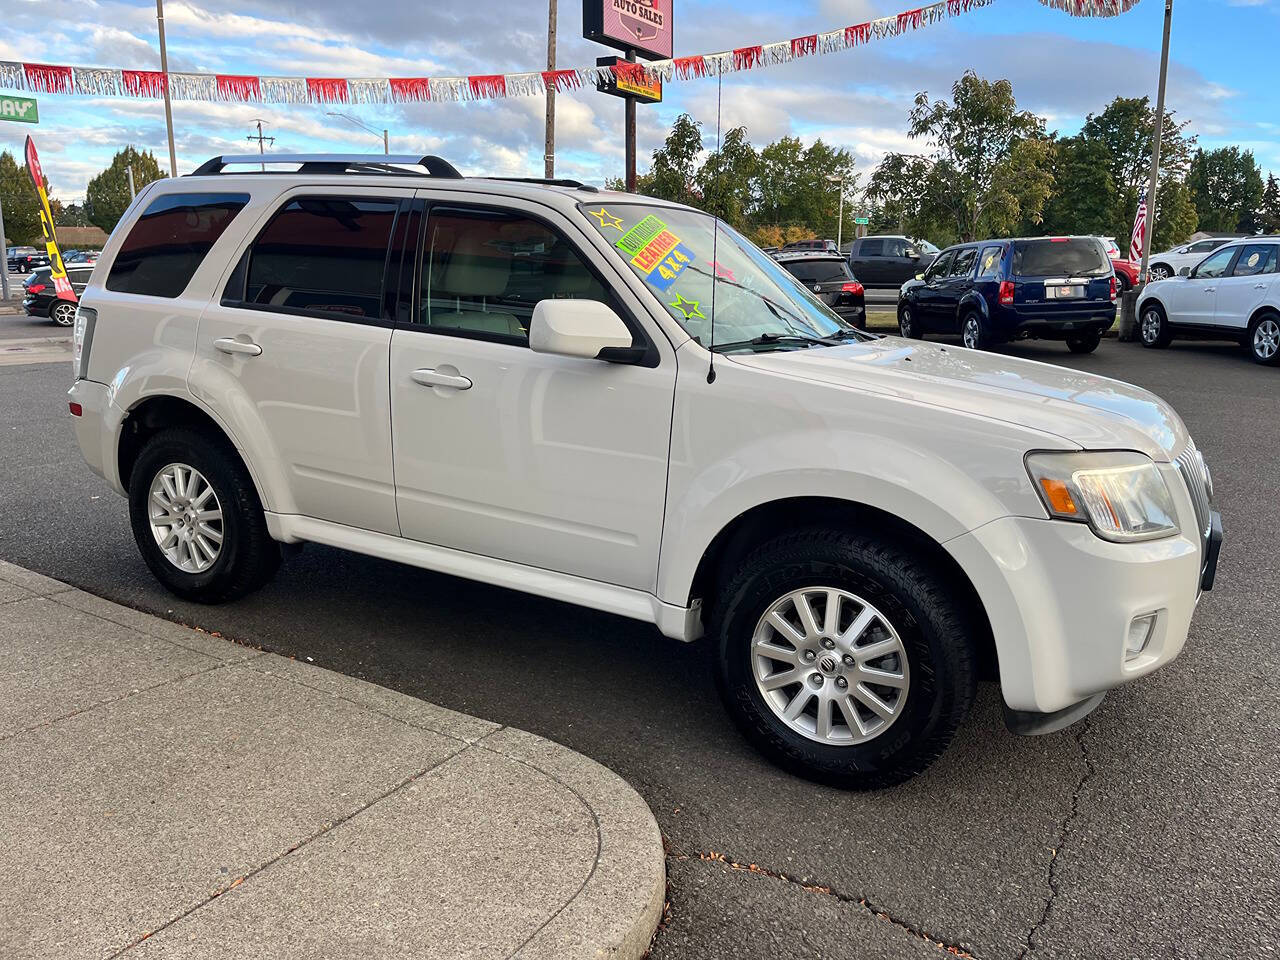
x=1153, y=829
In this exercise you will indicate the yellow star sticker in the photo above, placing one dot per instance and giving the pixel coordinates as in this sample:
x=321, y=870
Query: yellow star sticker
x=688, y=307
x=606, y=218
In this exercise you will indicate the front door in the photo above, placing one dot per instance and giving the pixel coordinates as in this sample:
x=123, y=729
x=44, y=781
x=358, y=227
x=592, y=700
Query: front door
x=548, y=461
x=1240, y=293
x=929, y=295
x=954, y=288
x=302, y=333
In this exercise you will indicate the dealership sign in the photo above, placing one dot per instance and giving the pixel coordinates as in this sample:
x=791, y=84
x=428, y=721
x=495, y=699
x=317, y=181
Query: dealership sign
x=21, y=109
x=644, y=26
x=628, y=81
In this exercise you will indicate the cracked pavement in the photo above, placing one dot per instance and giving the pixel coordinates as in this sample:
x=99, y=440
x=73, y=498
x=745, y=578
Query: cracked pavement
x=1154, y=830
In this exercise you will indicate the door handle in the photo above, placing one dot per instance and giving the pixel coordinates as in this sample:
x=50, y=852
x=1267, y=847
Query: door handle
x=231, y=345
x=1259, y=286
x=1210, y=289
x=428, y=377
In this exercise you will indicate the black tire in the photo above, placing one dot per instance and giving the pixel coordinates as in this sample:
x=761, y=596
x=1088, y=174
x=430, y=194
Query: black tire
x=1261, y=341
x=911, y=593
x=908, y=322
x=1085, y=343
x=981, y=338
x=62, y=312
x=1159, y=271
x=1153, y=327
x=248, y=557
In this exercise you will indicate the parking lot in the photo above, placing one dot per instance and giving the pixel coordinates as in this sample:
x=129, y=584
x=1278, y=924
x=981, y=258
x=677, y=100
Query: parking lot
x=1153, y=829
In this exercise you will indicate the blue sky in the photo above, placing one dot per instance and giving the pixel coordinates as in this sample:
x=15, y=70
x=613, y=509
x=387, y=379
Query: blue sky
x=1221, y=75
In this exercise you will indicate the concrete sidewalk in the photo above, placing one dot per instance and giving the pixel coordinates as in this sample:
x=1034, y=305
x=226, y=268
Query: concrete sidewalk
x=166, y=793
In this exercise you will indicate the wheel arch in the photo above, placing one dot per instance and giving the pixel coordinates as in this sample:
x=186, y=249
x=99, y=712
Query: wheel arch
x=1263, y=311
x=762, y=522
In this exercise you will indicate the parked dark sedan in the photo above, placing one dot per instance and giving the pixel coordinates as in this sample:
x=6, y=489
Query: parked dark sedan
x=40, y=300
x=829, y=278
x=1055, y=288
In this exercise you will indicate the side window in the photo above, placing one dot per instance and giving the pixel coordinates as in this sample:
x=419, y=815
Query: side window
x=1204, y=246
x=940, y=267
x=989, y=262
x=486, y=270
x=871, y=248
x=170, y=240
x=965, y=260
x=1254, y=259
x=1215, y=265
x=895, y=247
x=322, y=256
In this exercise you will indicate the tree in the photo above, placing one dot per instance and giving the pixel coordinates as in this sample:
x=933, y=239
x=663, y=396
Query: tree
x=794, y=184
x=21, y=202
x=1085, y=199
x=671, y=174
x=107, y=196
x=72, y=215
x=726, y=180
x=1175, y=214
x=1227, y=189
x=989, y=166
x=1270, y=219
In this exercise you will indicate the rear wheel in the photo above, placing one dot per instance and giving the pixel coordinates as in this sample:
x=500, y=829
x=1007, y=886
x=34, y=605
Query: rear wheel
x=1085, y=343
x=1153, y=329
x=843, y=659
x=197, y=519
x=63, y=313
x=973, y=331
x=1264, y=339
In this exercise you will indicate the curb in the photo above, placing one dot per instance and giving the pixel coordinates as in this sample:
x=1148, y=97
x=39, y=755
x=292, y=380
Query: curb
x=614, y=910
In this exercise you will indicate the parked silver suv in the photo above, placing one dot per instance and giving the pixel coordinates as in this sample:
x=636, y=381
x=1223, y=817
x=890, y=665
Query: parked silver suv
x=624, y=404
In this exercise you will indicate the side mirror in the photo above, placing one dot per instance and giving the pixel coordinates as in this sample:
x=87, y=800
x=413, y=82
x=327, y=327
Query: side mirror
x=913, y=253
x=919, y=276
x=579, y=328
x=1184, y=271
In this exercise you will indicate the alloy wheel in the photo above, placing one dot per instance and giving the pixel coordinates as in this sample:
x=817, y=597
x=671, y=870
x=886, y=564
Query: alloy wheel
x=1160, y=272
x=1150, y=326
x=64, y=313
x=1266, y=339
x=830, y=666
x=185, y=517
x=905, y=321
x=972, y=333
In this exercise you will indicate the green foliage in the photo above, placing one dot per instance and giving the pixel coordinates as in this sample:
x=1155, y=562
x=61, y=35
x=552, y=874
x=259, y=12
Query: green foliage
x=107, y=196
x=21, y=202
x=794, y=184
x=1175, y=214
x=72, y=215
x=726, y=180
x=1085, y=199
x=988, y=169
x=1269, y=221
x=671, y=174
x=1226, y=188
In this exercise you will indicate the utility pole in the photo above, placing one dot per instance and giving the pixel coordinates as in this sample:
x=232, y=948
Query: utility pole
x=631, y=134
x=260, y=138
x=549, y=146
x=4, y=257
x=386, y=143
x=840, y=221
x=133, y=191
x=168, y=107
x=1154, y=182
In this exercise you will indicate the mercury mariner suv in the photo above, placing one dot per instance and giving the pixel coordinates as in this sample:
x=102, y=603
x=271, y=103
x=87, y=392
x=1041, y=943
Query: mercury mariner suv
x=621, y=403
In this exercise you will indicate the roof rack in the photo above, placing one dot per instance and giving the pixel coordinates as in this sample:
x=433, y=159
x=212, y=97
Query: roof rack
x=370, y=163
x=550, y=182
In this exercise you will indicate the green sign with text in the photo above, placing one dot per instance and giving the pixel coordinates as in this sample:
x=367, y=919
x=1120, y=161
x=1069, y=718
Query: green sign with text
x=21, y=109
x=862, y=221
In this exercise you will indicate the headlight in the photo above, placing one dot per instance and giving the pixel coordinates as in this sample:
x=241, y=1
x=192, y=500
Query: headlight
x=1121, y=495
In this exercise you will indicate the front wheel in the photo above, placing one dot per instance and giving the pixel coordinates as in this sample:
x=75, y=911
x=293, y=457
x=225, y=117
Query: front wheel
x=1264, y=339
x=197, y=519
x=1154, y=329
x=908, y=325
x=1085, y=343
x=1159, y=271
x=843, y=659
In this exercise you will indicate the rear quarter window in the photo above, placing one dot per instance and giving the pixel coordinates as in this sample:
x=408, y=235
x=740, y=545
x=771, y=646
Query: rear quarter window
x=1070, y=257
x=169, y=241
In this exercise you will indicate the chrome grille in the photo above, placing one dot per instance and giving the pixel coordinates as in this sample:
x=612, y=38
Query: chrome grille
x=1196, y=476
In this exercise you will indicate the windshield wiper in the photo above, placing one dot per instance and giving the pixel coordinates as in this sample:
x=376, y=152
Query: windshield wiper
x=770, y=340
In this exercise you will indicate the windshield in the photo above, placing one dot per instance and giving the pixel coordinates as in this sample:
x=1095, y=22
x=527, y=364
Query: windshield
x=708, y=275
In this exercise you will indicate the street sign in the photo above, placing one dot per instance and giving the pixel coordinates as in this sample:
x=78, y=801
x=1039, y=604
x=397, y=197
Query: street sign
x=862, y=221
x=21, y=109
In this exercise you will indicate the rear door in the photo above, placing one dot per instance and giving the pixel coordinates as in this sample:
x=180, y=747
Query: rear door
x=1061, y=278
x=1252, y=277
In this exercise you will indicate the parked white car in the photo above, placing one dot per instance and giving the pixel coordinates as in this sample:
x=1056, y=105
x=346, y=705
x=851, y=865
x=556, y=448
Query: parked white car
x=1167, y=263
x=1234, y=294
x=619, y=403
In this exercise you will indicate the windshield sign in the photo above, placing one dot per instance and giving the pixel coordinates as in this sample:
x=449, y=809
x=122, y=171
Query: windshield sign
x=708, y=275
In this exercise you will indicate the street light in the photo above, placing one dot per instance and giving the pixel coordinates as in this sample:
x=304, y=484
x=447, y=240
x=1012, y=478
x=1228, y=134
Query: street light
x=386, y=145
x=840, y=222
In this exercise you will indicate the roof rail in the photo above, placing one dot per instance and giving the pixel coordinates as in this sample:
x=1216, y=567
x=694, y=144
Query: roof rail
x=550, y=182
x=379, y=163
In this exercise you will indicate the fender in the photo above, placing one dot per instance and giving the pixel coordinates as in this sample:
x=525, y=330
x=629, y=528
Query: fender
x=972, y=300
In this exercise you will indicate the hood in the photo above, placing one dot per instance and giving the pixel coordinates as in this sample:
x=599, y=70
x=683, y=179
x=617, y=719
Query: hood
x=1085, y=410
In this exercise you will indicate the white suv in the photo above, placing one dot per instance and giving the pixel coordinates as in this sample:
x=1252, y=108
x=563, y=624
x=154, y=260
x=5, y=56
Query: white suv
x=619, y=403
x=1234, y=293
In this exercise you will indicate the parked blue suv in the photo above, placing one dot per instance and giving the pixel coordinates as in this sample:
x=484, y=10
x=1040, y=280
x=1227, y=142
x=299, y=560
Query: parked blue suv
x=1055, y=288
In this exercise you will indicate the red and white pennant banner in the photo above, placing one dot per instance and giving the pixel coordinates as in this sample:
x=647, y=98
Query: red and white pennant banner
x=106, y=82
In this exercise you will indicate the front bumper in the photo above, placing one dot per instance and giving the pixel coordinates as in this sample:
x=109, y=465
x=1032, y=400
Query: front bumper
x=1060, y=601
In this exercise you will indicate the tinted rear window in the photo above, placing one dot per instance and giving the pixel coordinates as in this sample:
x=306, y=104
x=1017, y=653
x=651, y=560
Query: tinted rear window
x=820, y=271
x=1059, y=258
x=170, y=240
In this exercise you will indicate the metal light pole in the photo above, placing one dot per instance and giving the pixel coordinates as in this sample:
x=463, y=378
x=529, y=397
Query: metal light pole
x=168, y=107
x=1154, y=182
x=4, y=257
x=386, y=142
x=549, y=146
x=840, y=220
